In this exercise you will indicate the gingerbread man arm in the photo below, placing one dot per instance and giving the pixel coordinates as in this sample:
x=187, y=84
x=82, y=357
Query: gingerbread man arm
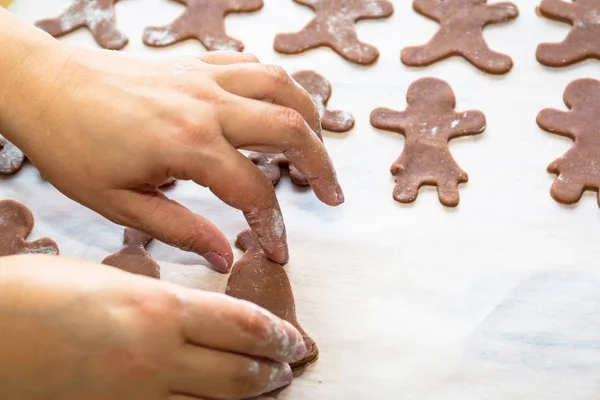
x=501, y=12
x=430, y=8
x=245, y=5
x=309, y=3
x=389, y=120
x=377, y=9
x=467, y=123
x=558, y=10
x=556, y=121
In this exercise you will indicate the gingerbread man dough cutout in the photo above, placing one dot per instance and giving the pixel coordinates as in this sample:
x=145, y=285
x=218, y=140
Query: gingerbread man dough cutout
x=461, y=33
x=334, y=26
x=133, y=257
x=582, y=42
x=11, y=158
x=16, y=223
x=428, y=124
x=579, y=168
x=319, y=90
x=96, y=15
x=272, y=164
x=259, y=280
x=203, y=20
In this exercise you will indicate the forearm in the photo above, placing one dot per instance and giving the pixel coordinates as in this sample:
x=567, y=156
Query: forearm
x=29, y=59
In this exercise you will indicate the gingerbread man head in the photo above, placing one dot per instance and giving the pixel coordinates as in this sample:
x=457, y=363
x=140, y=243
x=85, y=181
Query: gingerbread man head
x=16, y=222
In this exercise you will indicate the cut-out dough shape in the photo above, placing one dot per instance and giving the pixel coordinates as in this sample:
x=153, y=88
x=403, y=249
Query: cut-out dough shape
x=11, y=158
x=579, y=168
x=259, y=280
x=582, y=42
x=96, y=15
x=461, y=33
x=203, y=20
x=334, y=26
x=272, y=164
x=319, y=89
x=133, y=257
x=428, y=123
x=16, y=223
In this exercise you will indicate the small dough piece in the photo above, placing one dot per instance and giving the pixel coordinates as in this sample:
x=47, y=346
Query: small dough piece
x=259, y=280
x=96, y=15
x=203, y=20
x=169, y=183
x=272, y=164
x=582, y=42
x=334, y=26
x=16, y=223
x=579, y=168
x=319, y=89
x=428, y=124
x=461, y=33
x=11, y=158
x=133, y=257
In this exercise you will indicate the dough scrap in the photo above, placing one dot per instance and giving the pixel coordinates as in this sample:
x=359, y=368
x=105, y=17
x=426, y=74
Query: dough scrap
x=203, y=20
x=461, y=33
x=133, y=257
x=334, y=26
x=16, y=223
x=11, y=158
x=428, y=123
x=96, y=15
x=579, y=168
x=259, y=280
x=582, y=42
x=319, y=90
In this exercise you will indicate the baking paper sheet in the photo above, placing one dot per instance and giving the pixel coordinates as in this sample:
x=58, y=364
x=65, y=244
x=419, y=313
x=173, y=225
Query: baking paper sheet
x=497, y=299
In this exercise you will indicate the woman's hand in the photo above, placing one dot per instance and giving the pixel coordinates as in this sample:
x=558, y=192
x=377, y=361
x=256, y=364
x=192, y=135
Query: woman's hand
x=107, y=128
x=74, y=330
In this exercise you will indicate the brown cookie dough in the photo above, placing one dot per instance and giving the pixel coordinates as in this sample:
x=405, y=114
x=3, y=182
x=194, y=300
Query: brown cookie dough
x=96, y=15
x=259, y=280
x=133, y=257
x=203, y=20
x=272, y=164
x=16, y=223
x=428, y=124
x=334, y=26
x=461, y=33
x=320, y=92
x=579, y=169
x=11, y=158
x=582, y=42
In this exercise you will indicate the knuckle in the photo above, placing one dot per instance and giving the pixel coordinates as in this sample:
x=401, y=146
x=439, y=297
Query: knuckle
x=293, y=121
x=278, y=74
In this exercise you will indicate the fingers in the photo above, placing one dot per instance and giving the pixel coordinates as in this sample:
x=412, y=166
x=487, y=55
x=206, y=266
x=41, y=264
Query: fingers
x=235, y=179
x=239, y=327
x=170, y=222
x=221, y=375
x=256, y=125
x=228, y=57
x=273, y=84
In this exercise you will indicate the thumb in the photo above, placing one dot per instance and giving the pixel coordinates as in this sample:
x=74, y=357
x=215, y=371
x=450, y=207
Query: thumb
x=170, y=222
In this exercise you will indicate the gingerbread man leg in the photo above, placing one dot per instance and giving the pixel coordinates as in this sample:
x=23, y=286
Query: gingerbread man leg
x=407, y=186
x=421, y=56
x=567, y=52
x=564, y=190
x=337, y=121
x=448, y=193
x=480, y=55
x=160, y=36
x=298, y=42
x=346, y=43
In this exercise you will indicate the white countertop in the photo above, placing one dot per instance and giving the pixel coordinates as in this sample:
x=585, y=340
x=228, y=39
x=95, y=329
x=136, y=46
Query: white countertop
x=496, y=299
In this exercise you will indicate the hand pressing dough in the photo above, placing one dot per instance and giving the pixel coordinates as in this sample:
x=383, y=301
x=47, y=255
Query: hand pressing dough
x=16, y=223
x=428, y=124
x=319, y=90
x=133, y=257
x=203, y=20
x=579, y=169
x=461, y=33
x=96, y=15
x=11, y=158
x=334, y=26
x=259, y=280
x=582, y=42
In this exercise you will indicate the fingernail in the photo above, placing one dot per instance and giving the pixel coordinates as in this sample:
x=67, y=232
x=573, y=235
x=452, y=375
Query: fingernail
x=340, y=194
x=217, y=261
x=281, y=376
